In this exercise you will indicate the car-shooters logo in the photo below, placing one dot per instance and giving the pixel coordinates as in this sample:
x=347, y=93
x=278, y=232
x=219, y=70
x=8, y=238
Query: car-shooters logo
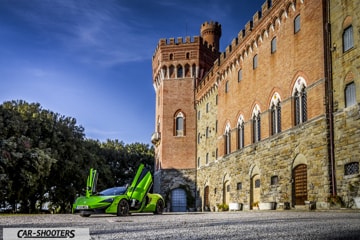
x=46, y=233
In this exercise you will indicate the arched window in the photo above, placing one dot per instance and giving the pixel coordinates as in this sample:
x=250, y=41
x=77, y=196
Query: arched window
x=239, y=75
x=171, y=71
x=207, y=158
x=275, y=110
x=240, y=133
x=300, y=101
x=273, y=45
x=297, y=24
x=255, y=62
x=194, y=70
x=350, y=94
x=227, y=138
x=179, y=124
x=348, y=39
x=227, y=86
x=256, y=124
x=179, y=71
x=187, y=70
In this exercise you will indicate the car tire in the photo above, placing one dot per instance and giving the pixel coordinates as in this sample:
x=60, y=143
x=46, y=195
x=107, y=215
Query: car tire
x=123, y=208
x=159, y=207
x=82, y=214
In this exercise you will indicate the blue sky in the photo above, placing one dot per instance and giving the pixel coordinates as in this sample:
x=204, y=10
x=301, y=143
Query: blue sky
x=91, y=59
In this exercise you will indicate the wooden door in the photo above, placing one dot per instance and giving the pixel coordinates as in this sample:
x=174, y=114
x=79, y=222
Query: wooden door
x=300, y=184
x=254, y=190
x=206, y=199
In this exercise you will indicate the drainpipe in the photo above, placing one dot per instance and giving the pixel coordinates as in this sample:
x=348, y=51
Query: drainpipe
x=195, y=108
x=329, y=93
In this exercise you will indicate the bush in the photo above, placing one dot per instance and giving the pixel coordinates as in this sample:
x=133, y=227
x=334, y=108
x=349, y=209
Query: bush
x=223, y=207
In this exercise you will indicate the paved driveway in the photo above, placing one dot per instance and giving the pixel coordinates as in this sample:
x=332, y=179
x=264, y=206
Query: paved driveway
x=222, y=225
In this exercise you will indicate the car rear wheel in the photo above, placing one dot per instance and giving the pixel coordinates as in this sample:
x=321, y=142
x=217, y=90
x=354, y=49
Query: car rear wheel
x=159, y=207
x=123, y=208
x=84, y=214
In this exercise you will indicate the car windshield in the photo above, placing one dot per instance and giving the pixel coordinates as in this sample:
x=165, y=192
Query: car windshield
x=113, y=191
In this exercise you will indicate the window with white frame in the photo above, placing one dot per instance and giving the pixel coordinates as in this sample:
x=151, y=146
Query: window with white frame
x=256, y=124
x=350, y=94
x=227, y=138
x=348, y=39
x=275, y=111
x=240, y=133
x=300, y=101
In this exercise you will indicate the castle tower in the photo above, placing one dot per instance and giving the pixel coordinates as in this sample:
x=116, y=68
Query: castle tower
x=177, y=66
x=211, y=33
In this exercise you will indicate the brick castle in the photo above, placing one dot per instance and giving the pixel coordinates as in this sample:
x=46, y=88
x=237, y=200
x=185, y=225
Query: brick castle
x=273, y=119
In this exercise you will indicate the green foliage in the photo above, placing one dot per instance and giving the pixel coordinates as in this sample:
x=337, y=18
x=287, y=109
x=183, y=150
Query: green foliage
x=45, y=154
x=335, y=200
x=223, y=207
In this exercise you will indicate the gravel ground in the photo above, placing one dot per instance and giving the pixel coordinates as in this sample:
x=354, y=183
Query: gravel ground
x=220, y=225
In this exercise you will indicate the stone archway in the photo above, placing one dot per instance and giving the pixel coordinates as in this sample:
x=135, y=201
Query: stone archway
x=178, y=200
x=255, y=185
x=206, y=199
x=226, y=189
x=299, y=180
x=299, y=184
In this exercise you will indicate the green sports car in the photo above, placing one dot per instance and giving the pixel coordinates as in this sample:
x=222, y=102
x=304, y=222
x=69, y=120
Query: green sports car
x=120, y=200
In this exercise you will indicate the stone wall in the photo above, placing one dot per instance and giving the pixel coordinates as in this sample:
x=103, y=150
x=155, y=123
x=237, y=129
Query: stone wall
x=167, y=180
x=276, y=156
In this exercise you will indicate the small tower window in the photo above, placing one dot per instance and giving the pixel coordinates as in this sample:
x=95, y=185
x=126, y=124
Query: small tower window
x=179, y=124
x=273, y=45
x=179, y=71
x=255, y=62
x=297, y=24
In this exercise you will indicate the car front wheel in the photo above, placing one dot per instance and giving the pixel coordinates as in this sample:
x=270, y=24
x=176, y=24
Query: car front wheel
x=159, y=207
x=123, y=208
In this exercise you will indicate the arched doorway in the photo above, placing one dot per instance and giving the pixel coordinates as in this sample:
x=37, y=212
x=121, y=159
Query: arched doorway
x=254, y=190
x=178, y=200
x=299, y=184
x=226, y=192
x=206, y=199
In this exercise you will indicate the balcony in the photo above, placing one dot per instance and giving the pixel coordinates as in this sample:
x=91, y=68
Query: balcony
x=155, y=138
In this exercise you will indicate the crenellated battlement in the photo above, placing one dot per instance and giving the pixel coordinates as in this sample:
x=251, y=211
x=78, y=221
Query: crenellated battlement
x=180, y=41
x=213, y=26
x=248, y=28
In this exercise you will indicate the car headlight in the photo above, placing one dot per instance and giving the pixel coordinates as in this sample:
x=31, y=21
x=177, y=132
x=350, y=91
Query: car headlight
x=109, y=200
